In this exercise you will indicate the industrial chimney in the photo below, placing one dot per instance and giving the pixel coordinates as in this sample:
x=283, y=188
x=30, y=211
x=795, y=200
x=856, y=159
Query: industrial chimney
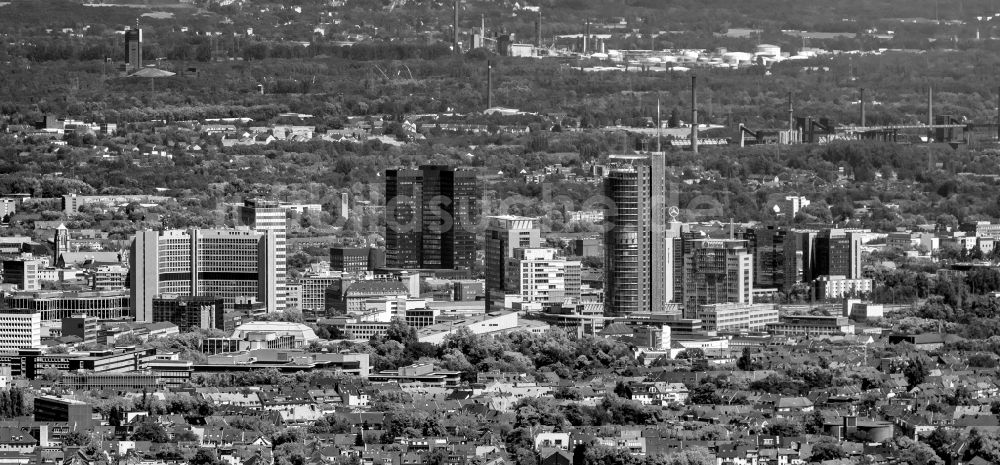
x=454, y=39
x=791, y=115
x=538, y=30
x=863, y=107
x=489, y=84
x=930, y=114
x=694, y=114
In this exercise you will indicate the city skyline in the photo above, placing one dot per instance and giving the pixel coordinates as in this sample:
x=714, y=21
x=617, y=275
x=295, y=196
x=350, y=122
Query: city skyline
x=568, y=232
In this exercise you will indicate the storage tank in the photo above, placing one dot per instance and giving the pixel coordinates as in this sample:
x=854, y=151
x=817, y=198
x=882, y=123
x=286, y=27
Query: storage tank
x=737, y=57
x=768, y=49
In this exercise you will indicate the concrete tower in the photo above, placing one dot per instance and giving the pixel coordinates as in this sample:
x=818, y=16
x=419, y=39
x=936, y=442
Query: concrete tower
x=60, y=243
x=133, y=49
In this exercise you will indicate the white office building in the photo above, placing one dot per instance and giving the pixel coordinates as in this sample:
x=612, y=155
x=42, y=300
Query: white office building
x=20, y=330
x=536, y=275
x=270, y=216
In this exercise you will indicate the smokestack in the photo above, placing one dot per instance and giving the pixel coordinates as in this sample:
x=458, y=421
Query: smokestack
x=930, y=114
x=863, y=107
x=586, y=34
x=489, y=84
x=454, y=39
x=538, y=30
x=659, y=125
x=791, y=114
x=694, y=114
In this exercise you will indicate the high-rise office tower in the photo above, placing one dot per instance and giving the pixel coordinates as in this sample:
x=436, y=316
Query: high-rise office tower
x=838, y=253
x=635, y=244
x=674, y=262
x=266, y=215
x=226, y=263
x=503, y=235
x=768, y=248
x=402, y=218
x=431, y=216
x=717, y=271
x=449, y=217
x=133, y=49
x=799, y=257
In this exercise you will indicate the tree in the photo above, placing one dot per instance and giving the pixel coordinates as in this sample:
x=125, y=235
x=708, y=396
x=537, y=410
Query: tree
x=185, y=435
x=290, y=453
x=946, y=221
x=814, y=423
x=785, y=427
x=941, y=440
x=916, y=453
x=622, y=390
x=704, y=393
x=869, y=401
x=826, y=449
x=401, y=332
x=204, y=457
x=437, y=456
x=695, y=455
x=916, y=371
x=745, y=362
x=75, y=438
x=691, y=354
x=606, y=455
x=524, y=456
x=985, y=445
x=51, y=374
x=148, y=429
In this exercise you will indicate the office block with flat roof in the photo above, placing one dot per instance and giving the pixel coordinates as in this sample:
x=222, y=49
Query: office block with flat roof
x=431, y=217
x=226, y=263
x=504, y=234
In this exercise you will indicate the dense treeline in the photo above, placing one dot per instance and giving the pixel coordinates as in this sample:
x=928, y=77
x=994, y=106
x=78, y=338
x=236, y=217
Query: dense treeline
x=463, y=351
x=189, y=48
x=376, y=80
x=15, y=402
x=892, y=180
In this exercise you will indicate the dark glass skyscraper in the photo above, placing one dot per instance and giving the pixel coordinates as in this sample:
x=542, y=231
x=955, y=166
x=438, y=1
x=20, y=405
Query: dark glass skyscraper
x=431, y=215
x=838, y=253
x=403, y=222
x=768, y=247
